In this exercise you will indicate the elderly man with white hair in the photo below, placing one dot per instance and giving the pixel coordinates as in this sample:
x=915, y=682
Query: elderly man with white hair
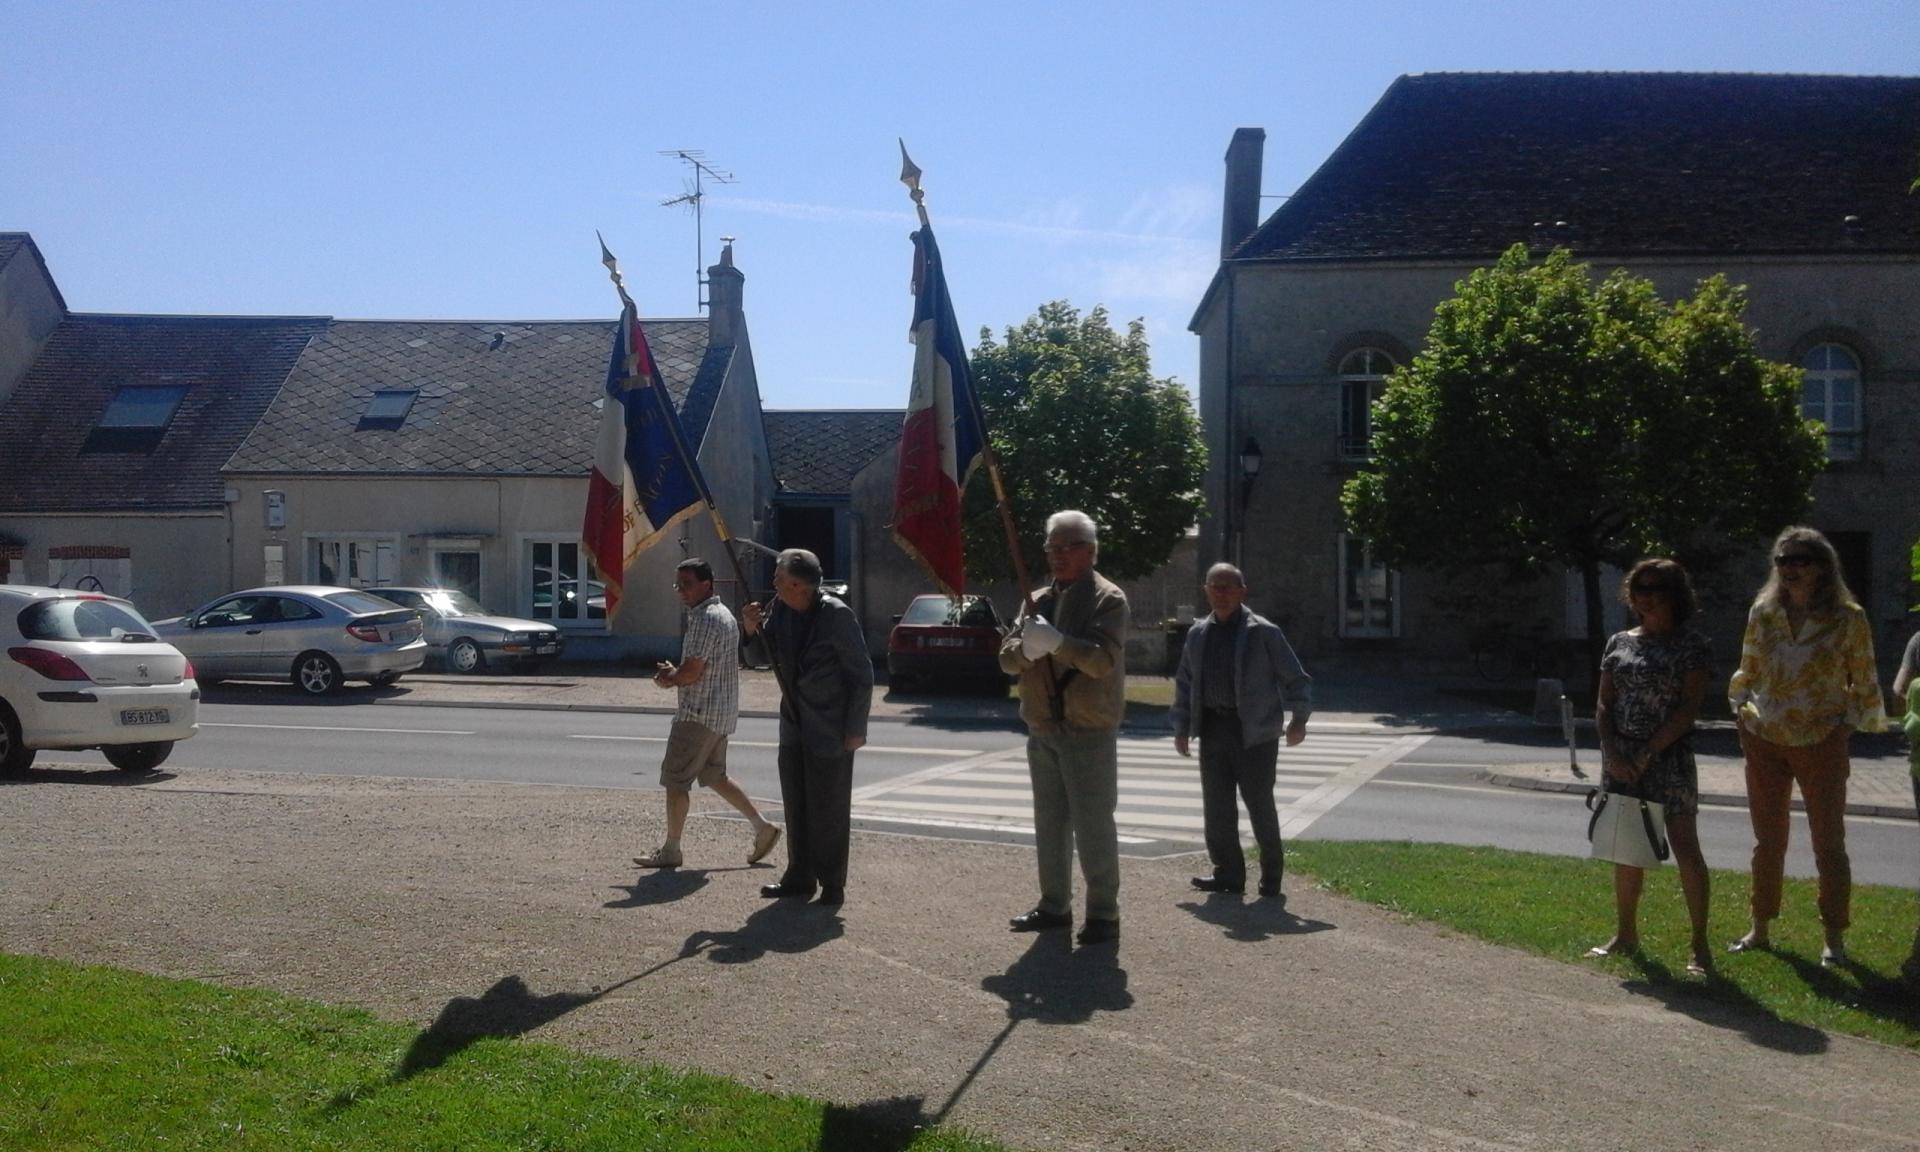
x=1069, y=652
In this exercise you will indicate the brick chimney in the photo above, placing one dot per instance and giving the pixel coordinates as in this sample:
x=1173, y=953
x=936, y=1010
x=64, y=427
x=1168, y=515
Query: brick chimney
x=1241, y=213
x=726, y=318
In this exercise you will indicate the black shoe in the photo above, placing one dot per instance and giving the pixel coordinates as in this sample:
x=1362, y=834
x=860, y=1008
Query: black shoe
x=1216, y=884
x=1270, y=889
x=1039, y=920
x=832, y=897
x=781, y=891
x=1098, y=932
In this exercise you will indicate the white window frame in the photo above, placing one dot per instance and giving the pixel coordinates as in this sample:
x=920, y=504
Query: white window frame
x=1365, y=370
x=1362, y=630
x=445, y=544
x=1830, y=393
x=523, y=577
x=389, y=542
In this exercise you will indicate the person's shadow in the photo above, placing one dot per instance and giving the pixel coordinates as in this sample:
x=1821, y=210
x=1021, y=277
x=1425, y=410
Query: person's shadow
x=1723, y=1004
x=1250, y=921
x=780, y=926
x=662, y=886
x=1055, y=983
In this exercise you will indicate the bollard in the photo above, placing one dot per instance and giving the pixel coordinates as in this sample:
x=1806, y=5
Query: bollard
x=1566, y=729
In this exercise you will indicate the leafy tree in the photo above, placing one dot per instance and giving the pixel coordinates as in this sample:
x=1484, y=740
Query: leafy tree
x=1079, y=421
x=1553, y=419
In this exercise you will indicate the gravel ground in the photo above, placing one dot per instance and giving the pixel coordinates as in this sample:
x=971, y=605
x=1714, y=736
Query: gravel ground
x=1215, y=1024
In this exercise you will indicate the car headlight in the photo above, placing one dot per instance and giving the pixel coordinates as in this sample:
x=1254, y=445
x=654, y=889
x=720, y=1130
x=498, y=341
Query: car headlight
x=516, y=638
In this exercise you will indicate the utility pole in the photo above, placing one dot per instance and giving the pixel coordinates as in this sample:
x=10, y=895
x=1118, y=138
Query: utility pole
x=694, y=197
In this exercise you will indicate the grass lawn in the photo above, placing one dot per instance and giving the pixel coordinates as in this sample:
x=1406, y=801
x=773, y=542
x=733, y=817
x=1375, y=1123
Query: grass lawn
x=104, y=1058
x=1560, y=906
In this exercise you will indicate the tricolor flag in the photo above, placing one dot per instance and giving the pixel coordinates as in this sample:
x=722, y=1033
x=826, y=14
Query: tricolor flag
x=941, y=440
x=642, y=481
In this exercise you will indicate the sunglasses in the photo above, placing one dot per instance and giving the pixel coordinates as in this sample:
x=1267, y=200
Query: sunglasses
x=1794, y=560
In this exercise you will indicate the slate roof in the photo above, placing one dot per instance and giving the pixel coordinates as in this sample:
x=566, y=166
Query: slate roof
x=232, y=366
x=495, y=397
x=818, y=451
x=12, y=244
x=1465, y=164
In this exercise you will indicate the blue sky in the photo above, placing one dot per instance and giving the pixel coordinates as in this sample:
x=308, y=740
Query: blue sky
x=453, y=160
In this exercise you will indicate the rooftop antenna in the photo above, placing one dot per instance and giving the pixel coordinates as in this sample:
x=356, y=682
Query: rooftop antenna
x=694, y=196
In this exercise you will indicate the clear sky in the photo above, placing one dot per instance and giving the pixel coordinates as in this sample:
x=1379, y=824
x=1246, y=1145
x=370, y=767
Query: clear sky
x=418, y=160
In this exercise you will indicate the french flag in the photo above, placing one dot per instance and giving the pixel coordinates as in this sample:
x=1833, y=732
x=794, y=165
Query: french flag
x=642, y=482
x=941, y=439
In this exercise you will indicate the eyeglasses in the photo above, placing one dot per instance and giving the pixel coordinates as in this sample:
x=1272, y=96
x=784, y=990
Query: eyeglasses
x=1063, y=549
x=1222, y=587
x=1794, y=560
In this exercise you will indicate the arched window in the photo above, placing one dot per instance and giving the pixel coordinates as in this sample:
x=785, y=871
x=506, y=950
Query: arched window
x=1831, y=395
x=1363, y=374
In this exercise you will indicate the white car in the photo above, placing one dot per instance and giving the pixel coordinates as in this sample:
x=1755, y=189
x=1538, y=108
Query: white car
x=84, y=670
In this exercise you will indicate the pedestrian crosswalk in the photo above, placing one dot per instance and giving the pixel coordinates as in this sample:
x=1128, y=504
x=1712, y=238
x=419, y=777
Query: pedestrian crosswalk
x=1159, y=789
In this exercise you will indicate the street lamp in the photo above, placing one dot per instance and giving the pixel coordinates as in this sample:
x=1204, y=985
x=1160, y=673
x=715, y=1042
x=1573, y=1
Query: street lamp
x=1250, y=459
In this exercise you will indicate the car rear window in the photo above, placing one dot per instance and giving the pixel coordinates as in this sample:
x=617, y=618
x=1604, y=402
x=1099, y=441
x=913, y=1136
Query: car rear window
x=81, y=620
x=975, y=612
x=358, y=602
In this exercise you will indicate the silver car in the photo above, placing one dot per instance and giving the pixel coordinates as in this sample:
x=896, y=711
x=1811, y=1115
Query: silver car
x=469, y=637
x=317, y=636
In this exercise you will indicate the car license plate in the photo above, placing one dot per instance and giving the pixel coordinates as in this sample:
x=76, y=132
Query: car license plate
x=144, y=716
x=948, y=642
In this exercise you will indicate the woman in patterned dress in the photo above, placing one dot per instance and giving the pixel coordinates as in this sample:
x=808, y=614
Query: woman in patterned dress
x=1652, y=681
x=1806, y=682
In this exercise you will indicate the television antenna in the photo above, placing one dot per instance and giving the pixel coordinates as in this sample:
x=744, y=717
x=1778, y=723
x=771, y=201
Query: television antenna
x=694, y=197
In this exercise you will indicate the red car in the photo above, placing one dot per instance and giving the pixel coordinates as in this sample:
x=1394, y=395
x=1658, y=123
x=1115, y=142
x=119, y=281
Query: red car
x=937, y=638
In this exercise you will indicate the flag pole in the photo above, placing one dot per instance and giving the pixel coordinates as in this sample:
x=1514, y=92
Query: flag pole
x=910, y=176
x=659, y=390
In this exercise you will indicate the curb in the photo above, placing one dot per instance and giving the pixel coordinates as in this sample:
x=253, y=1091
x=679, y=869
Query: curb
x=1717, y=799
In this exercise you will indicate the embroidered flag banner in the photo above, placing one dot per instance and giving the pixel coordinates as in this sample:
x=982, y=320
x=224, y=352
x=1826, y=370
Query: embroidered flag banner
x=642, y=482
x=941, y=439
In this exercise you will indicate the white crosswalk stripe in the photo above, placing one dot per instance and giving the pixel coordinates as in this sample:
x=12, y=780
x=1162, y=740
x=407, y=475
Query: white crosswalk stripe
x=1159, y=789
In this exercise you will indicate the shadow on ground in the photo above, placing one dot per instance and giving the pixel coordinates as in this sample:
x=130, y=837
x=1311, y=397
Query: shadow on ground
x=109, y=776
x=1250, y=921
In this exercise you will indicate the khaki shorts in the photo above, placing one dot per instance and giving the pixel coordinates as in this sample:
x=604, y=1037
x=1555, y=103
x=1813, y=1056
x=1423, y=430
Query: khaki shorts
x=695, y=752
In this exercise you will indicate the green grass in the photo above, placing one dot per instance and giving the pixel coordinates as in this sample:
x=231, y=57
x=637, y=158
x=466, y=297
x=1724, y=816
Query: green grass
x=1560, y=906
x=109, y=1059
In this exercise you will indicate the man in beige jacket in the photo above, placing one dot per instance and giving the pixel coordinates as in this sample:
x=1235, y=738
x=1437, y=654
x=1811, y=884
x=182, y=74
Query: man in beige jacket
x=1070, y=655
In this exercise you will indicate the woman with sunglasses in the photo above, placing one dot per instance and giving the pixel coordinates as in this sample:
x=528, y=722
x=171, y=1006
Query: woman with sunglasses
x=1806, y=681
x=1652, y=681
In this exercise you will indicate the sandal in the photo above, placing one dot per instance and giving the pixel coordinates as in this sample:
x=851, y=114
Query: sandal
x=1749, y=944
x=1602, y=951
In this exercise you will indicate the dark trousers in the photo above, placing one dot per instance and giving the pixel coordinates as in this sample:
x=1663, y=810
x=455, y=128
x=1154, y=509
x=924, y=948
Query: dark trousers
x=1227, y=765
x=817, y=795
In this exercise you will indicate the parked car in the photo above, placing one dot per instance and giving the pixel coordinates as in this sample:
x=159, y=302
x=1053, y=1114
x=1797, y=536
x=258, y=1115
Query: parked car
x=313, y=634
x=85, y=670
x=469, y=638
x=937, y=638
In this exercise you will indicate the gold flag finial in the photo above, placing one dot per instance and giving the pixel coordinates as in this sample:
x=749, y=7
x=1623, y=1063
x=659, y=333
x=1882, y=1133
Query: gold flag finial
x=910, y=176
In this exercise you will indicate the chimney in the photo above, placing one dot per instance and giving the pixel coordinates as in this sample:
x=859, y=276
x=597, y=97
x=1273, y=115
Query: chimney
x=726, y=317
x=1241, y=213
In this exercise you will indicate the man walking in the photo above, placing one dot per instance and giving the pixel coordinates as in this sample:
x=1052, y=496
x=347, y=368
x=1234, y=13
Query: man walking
x=1238, y=676
x=1070, y=656
x=827, y=676
x=708, y=679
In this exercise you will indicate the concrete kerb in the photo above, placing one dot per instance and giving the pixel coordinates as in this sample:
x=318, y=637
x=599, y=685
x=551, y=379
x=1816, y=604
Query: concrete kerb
x=1717, y=799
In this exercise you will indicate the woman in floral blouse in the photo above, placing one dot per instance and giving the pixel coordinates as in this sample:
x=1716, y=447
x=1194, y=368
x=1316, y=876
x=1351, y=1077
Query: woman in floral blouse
x=1652, y=680
x=1806, y=682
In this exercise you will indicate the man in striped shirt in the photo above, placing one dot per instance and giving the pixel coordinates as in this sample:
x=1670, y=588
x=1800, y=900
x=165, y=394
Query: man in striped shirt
x=708, y=677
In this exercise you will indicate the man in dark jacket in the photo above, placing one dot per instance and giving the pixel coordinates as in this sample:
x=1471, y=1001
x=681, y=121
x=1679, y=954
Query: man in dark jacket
x=815, y=640
x=1238, y=676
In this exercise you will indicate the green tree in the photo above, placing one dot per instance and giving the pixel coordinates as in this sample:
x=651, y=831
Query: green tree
x=1555, y=419
x=1079, y=421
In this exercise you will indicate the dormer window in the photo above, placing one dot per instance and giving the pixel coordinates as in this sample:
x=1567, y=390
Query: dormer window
x=136, y=418
x=388, y=408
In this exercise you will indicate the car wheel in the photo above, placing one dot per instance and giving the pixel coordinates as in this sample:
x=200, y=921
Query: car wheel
x=15, y=756
x=138, y=757
x=463, y=656
x=386, y=679
x=316, y=674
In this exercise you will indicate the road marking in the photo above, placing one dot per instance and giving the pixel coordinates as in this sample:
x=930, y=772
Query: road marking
x=1301, y=814
x=732, y=743
x=331, y=728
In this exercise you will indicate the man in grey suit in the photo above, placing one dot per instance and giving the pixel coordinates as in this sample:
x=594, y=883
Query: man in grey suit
x=1238, y=676
x=815, y=640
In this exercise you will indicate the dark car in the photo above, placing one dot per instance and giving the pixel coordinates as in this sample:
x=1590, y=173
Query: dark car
x=941, y=639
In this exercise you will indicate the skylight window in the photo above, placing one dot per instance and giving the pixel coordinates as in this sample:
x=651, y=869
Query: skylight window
x=389, y=408
x=136, y=418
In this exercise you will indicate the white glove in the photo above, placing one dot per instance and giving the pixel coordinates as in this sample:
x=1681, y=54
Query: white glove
x=1039, y=638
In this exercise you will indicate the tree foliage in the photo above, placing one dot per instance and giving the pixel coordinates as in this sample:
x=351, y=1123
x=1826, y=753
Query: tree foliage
x=1079, y=421
x=1552, y=418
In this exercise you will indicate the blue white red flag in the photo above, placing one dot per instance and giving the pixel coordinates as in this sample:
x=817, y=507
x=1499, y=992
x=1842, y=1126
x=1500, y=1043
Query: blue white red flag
x=942, y=438
x=642, y=481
